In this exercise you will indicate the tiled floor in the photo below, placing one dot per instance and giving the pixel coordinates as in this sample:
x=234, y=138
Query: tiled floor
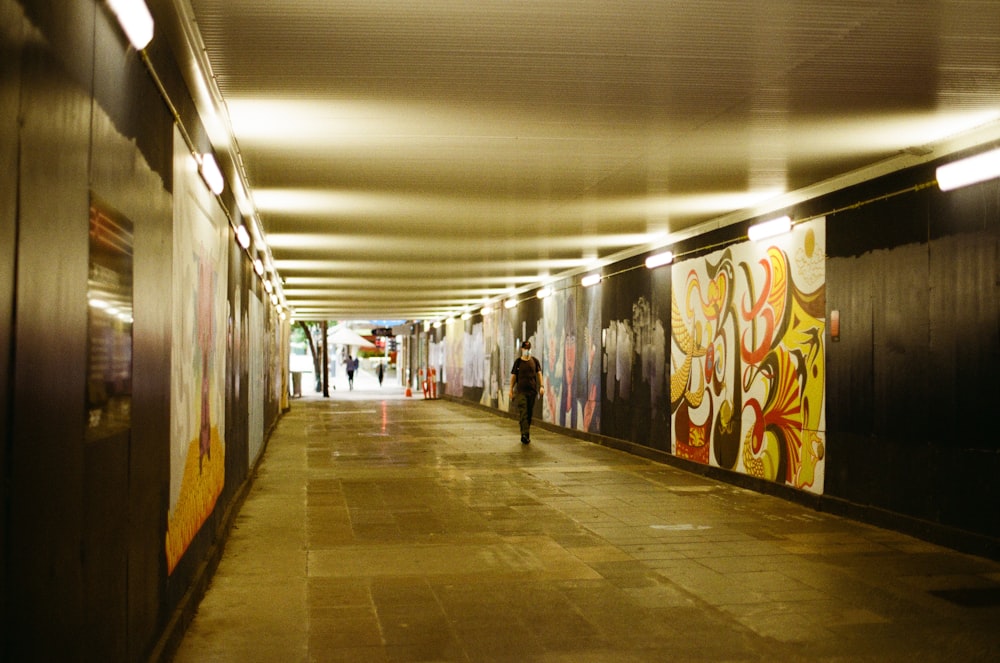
x=382, y=528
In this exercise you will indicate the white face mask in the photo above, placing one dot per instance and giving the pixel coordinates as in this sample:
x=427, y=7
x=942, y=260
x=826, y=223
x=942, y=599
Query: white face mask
x=525, y=353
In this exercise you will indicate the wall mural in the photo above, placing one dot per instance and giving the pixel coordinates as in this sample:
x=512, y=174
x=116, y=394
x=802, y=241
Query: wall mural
x=571, y=358
x=589, y=356
x=636, y=359
x=498, y=357
x=255, y=390
x=455, y=341
x=197, y=455
x=473, y=361
x=747, y=359
x=278, y=373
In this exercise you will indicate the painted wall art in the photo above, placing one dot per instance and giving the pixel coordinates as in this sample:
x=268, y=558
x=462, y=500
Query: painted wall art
x=455, y=341
x=197, y=454
x=747, y=359
x=571, y=358
x=255, y=390
x=498, y=357
x=636, y=366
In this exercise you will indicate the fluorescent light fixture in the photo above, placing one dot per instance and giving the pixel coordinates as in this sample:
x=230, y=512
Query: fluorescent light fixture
x=590, y=279
x=510, y=303
x=769, y=228
x=136, y=22
x=268, y=287
x=544, y=292
x=243, y=237
x=210, y=172
x=486, y=310
x=466, y=316
x=660, y=259
x=437, y=324
x=968, y=171
x=274, y=299
x=258, y=266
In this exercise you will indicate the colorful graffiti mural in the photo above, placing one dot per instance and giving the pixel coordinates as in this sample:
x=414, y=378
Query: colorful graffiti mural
x=747, y=358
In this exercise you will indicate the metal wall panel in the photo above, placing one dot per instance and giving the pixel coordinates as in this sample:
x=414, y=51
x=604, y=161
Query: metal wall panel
x=129, y=144
x=46, y=455
x=914, y=371
x=12, y=27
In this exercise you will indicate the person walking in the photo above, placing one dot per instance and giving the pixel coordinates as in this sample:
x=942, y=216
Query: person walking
x=380, y=372
x=351, y=366
x=525, y=387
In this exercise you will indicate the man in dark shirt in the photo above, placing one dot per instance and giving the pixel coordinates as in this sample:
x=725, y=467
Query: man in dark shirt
x=525, y=387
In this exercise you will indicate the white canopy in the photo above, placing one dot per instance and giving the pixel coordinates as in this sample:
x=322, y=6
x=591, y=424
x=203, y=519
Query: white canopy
x=341, y=335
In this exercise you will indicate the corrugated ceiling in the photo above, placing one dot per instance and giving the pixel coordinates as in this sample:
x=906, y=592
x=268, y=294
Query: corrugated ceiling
x=413, y=159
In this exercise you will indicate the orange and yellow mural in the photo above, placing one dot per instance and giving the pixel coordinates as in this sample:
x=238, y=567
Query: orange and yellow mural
x=198, y=356
x=748, y=373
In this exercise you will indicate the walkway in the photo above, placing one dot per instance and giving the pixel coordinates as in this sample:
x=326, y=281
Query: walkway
x=382, y=528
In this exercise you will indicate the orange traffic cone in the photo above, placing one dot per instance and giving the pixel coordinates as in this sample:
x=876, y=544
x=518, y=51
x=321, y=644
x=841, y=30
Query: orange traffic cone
x=409, y=392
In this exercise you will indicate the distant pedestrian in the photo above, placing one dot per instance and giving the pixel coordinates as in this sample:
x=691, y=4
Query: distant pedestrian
x=351, y=366
x=525, y=387
x=380, y=372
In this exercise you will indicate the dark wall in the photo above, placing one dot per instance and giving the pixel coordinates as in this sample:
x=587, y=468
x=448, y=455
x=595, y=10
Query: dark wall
x=11, y=44
x=631, y=418
x=914, y=375
x=45, y=576
x=126, y=481
x=83, y=521
x=914, y=274
x=237, y=374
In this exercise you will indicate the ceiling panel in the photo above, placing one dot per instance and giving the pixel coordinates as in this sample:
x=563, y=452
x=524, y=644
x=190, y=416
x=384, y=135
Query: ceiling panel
x=416, y=159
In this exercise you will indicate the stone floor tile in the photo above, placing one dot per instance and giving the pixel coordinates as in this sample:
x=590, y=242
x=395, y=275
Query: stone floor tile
x=384, y=529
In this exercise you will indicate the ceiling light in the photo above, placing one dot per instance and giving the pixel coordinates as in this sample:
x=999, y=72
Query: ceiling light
x=544, y=292
x=210, y=172
x=486, y=310
x=136, y=22
x=968, y=171
x=267, y=286
x=769, y=228
x=590, y=279
x=466, y=316
x=243, y=237
x=660, y=259
x=274, y=299
x=510, y=303
x=258, y=266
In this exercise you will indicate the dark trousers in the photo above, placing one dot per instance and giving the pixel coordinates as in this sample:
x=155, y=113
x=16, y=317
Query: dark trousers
x=524, y=401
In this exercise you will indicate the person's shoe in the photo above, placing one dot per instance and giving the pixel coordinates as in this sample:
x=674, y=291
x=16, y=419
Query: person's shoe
x=525, y=439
